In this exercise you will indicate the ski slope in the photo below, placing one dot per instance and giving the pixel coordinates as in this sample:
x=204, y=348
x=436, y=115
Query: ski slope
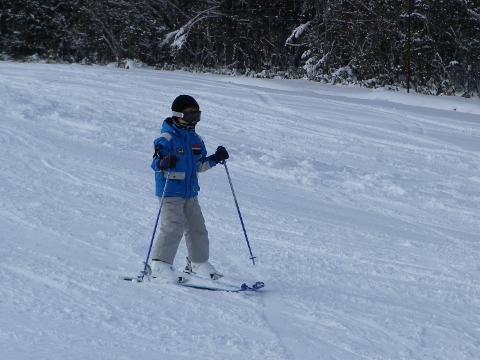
x=361, y=206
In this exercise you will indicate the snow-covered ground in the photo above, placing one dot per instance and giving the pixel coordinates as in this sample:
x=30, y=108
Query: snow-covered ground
x=362, y=207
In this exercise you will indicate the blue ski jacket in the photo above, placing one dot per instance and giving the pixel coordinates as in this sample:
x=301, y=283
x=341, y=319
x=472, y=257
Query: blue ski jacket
x=188, y=146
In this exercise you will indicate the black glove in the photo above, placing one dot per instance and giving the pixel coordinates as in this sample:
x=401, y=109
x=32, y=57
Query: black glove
x=220, y=155
x=168, y=162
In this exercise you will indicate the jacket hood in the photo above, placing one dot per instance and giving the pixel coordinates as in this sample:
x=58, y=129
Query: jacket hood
x=169, y=126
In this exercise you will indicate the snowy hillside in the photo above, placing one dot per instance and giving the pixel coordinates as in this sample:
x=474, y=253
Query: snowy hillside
x=361, y=206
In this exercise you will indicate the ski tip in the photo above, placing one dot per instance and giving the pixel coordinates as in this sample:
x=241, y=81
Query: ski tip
x=258, y=285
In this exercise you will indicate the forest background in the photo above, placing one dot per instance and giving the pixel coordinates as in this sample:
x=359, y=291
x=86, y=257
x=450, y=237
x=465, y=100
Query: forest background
x=427, y=46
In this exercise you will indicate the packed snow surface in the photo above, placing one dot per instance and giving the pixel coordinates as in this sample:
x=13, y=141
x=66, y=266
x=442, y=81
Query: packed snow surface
x=361, y=206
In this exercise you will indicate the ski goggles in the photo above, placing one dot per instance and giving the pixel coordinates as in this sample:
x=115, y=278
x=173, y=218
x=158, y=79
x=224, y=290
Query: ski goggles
x=189, y=117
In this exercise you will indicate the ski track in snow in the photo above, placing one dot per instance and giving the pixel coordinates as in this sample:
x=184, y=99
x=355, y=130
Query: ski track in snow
x=360, y=205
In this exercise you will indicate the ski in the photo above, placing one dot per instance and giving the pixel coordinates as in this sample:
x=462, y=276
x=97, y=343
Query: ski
x=199, y=282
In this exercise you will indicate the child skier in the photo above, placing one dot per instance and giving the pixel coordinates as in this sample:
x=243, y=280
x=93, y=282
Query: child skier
x=180, y=155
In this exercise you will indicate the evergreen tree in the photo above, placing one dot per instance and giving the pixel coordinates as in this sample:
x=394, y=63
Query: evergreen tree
x=366, y=42
x=30, y=27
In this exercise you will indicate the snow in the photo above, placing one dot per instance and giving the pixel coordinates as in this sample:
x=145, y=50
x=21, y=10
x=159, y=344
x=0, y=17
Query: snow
x=296, y=33
x=360, y=205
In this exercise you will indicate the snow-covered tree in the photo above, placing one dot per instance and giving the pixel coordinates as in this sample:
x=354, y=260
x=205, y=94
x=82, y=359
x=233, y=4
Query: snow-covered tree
x=368, y=42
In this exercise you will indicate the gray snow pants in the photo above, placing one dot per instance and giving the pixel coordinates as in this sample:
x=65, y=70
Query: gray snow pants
x=181, y=216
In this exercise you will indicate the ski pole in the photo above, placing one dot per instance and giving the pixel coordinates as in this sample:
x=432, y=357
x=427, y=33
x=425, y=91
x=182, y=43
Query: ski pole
x=144, y=272
x=224, y=163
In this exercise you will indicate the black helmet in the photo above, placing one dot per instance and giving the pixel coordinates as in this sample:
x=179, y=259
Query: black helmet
x=183, y=102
